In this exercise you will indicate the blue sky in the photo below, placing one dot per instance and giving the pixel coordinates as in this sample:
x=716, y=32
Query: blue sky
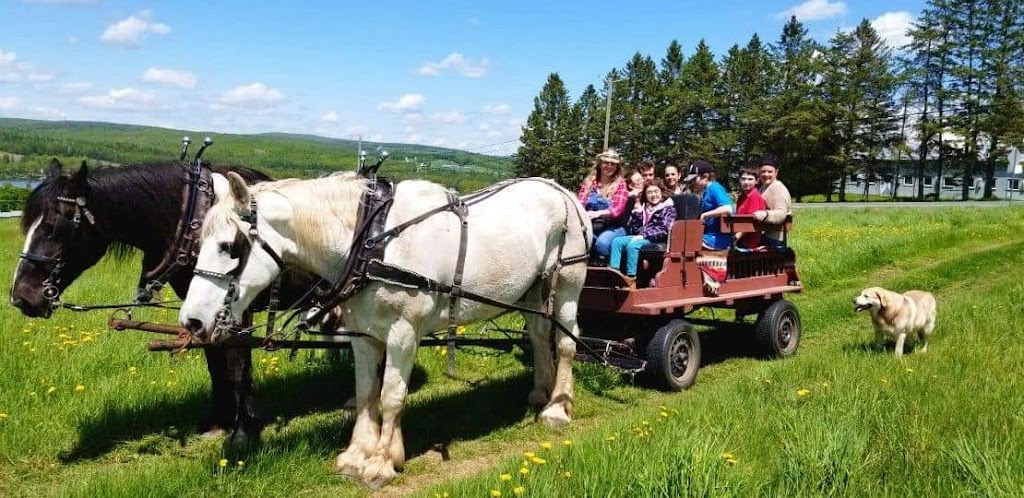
x=454, y=74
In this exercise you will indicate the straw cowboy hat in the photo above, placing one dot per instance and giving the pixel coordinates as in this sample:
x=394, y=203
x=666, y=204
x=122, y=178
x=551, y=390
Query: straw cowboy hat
x=610, y=156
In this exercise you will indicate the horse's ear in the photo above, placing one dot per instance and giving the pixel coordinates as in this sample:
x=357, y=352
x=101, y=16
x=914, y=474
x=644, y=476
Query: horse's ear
x=78, y=184
x=56, y=168
x=239, y=190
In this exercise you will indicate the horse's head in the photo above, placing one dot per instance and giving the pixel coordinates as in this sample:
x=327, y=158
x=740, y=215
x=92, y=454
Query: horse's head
x=61, y=240
x=238, y=258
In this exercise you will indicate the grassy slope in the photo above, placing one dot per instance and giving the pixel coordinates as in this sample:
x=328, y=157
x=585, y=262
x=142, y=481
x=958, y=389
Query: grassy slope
x=943, y=423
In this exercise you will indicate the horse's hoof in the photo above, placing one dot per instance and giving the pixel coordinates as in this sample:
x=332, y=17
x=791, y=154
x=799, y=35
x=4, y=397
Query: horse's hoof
x=555, y=416
x=538, y=398
x=348, y=464
x=377, y=472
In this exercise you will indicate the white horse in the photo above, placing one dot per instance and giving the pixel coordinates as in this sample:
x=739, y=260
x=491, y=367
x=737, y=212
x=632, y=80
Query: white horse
x=515, y=238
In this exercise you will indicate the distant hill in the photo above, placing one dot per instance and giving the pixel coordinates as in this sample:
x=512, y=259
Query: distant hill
x=280, y=154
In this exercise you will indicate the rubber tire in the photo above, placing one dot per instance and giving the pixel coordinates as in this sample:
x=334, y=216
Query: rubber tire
x=663, y=361
x=778, y=329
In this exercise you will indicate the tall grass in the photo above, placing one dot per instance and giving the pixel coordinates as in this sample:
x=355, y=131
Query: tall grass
x=840, y=418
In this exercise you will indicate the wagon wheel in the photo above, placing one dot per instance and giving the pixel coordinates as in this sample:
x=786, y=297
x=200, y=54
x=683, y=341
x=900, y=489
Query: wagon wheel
x=778, y=329
x=673, y=355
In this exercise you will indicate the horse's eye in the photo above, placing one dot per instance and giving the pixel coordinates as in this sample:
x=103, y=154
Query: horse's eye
x=225, y=248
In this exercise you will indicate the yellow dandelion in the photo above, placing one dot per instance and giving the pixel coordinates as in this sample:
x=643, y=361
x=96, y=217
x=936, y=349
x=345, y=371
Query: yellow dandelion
x=241, y=463
x=32, y=393
x=567, y=474
x=546, y=445
x=223, y=462
x=518, y=490
x=132, y=370
x=802, y=392
x=728, y=456
x=767, y=381
x=460, y=330
x=51, y=390
x=610, y=438
x=495, y=493
x=884, y=381
x=3, y=416
x=910, y=370
x=538, y=460
x=730, y=461
x=506, y=477
x=79, y=388
x=32, y=350
x=170, y=383
x=663, y=414
x=524, y=471
x=567, y=442
x=26, y=343
x=529, y=454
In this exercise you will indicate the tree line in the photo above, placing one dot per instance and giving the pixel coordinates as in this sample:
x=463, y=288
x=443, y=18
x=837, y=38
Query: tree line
x=280, y=155
x=951, y=102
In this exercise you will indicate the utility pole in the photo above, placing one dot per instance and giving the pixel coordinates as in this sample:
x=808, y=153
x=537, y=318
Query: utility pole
x=610, y=83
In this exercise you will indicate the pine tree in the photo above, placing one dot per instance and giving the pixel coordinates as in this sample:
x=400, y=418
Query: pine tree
x=799, y=132
x=699, y=79
x=550, y=139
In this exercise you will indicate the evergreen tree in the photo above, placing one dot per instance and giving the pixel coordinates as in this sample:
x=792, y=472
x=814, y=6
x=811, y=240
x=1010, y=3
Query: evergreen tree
x=701, y=104
x=550, y=137
x=799, y=132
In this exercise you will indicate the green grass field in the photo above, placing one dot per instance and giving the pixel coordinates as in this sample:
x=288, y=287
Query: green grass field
x=88, y=412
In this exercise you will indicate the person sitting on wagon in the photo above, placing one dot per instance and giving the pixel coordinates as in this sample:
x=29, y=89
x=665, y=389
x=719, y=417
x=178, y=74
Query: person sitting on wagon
x=776, y=197
x=749, y=202
x=715, y=203
x=604, y=195
x=650, y=222
x=635, y=188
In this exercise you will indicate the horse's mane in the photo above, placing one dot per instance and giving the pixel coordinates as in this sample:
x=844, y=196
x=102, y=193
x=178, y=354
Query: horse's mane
x=338, y=193
x=152, y=188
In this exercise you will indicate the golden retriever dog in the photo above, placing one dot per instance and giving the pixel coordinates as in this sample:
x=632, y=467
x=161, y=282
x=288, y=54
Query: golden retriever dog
x=907, y=317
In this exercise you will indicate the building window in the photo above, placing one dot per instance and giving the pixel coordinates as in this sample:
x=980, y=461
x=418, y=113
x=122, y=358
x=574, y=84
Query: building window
x=1013, y=185
x=950, y=182
x=929, y=181
x=908, y=181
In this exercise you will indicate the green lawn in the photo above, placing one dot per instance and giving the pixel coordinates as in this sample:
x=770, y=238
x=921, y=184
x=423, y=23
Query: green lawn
x=839, y=418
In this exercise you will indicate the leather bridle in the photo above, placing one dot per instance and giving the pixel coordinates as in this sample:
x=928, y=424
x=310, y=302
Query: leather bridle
x=51, y=285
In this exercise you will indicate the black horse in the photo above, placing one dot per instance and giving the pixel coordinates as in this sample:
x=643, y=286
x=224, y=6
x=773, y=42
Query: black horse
x=73, y=221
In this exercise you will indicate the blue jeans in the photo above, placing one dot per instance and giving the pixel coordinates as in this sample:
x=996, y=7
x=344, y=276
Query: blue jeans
x=603, y=241
x=631, y=245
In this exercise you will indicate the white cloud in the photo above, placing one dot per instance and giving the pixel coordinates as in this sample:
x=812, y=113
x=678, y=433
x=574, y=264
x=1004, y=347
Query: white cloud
x=330, y=117
x=131, y=31
x=450, y=117
x=496, y=108
x=75, y=87
x=413, y=138
x=13, y=70
x=458, y=63
x=171, y=77
x=7, y=58
x=893, y=26
x=123, y=99
x=813, y=10
x=410, y=102
x=9, y=103
x=249, y=96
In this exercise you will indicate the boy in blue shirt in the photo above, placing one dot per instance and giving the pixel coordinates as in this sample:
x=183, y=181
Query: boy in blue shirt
x=715, y=203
